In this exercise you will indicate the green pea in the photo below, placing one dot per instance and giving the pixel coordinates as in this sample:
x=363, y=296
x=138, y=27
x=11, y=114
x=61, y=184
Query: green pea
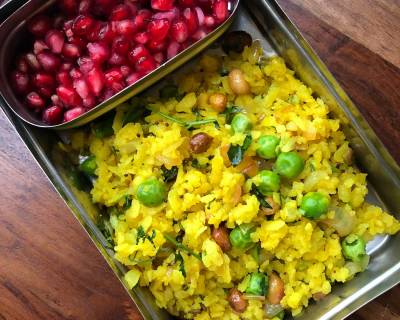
x=289, y=165
x=353, y=247
x=240, y=237
x=267, y=147
x=241, y=123
x=151, y=192
x=314, y=205
x=258, y=284
x=88, y=165
x=267, y=182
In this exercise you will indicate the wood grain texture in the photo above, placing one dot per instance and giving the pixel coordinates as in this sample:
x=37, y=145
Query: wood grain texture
x=49, y=269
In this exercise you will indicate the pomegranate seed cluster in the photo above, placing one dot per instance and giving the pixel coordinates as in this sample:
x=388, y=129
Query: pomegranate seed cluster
x=91, y=49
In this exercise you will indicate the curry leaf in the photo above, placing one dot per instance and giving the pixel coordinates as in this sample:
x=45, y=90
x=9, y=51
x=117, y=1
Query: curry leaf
x=179, y=258
x=230, y=112
x=235, y=154
x=169, y=174
x=181, y=246
x=260, y=197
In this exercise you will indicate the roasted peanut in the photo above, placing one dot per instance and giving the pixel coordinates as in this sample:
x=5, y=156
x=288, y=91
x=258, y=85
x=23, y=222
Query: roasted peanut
x=221, y=237
x=238, y=83
x=218, y=101
x=200, y=142
x=237, y=300
x=275, y=289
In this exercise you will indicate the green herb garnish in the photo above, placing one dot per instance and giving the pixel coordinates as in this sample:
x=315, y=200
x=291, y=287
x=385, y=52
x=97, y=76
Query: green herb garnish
x=169, y=174
x=260, y=197
x=181, y=246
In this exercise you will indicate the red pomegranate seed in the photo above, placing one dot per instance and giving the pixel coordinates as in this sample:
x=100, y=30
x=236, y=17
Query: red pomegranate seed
x=179, y=31
x=200, y=34
x=220, y=10
x=126, y=27
x=162, y=5
x=35, y=101
x=120, y=12
x=142, y=37
x=200, y=15
x=137, y=53
x=106, y=33
x=20, y=82
x=49, y=61
x=192, y=21
x=55, y=40
x=117, y=86
x=156, y=46
x=132, y=78
x=104, y=7
x=158, y=29
x=187, y=3
x=70, y=50
x=145, y=65
x=68, y=96
x=84, y=6
x=45, y=92
x=78, y=41
x=56, y=100
x=73, y=113
x=85, y=64
x=209, y=21
x=94, y=32
x=64, y=79
x=113, y=75
x=107, y=94
x=133, y=7
x=95, y=80
x=39, y=46
x=69, y=6
x=22, y=64
x=75, y=73
x=32, y=61
x=39, y=25
x=98, y=52
x=52, y=115
x=120, y=45
x=89, y=102
x=125, y=70
x=173, y=49
x=67, y=28
x=141, y=19
x=159, y=57
x=82, y=88
x=117, y=59
x=43, y=79
x=82, y=25
x=66, y=66
x=170, y=15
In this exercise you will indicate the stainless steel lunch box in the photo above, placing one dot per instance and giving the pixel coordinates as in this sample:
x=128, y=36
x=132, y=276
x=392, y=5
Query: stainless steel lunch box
x=13, y=32
x=267, y=22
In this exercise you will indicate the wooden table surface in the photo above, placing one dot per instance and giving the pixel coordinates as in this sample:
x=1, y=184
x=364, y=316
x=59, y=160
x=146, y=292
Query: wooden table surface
x=49, y=269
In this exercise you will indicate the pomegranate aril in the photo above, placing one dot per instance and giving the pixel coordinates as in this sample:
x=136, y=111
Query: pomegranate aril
x=173, y=49
x=68, y=96
x=106, y=33
x=39, y=25
x=45, y=92
x=162, y=5
x=55, y=99
x=98, y=52
x=137, y=53
x=145, y=65
x=117, y=59
x=113, y=75
x=32, y=61
x=64, y=79
x=220, y=10
x=35, y=101
x=179, y=31
x=132, y=78
x=82, y=25
x=52, y=115
x=43, y=79
x=22, y=64
x=120, y=12
x=78, y=41
x=95, y=80
x=120, y=45
x=192, y=21
x=187, y=3
x=69, y=6
x=170, y=15
x=49, y=61
x=156, y=46
x=70, y=50
x=94, y=32
x=85, y=64
x=200, y=34
x=158, y=29
x=159, y=57
x=209, y=21
x=142, y=37
x=84, y=6
x=73, y=113
x=75, y=73
x=89, y=102
x=117, y=86
x=39, y=46
x=55, y=40
x=125, y=70
x=81, y=88
x=133, y=7
x=126, y=27
x=67, y=28
x=141, y=19
x=66, y=66
x=20, y=82
x=200, y=15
